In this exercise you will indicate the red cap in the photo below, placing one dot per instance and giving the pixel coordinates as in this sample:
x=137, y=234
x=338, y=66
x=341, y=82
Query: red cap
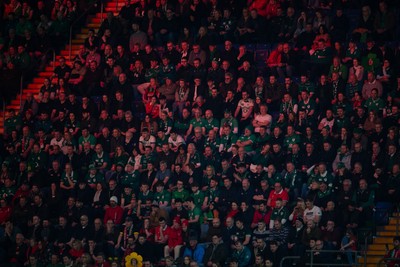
x=185, y=222
x=177, y=220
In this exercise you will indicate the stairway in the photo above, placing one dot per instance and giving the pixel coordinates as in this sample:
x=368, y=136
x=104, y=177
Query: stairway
x=384, y=235
x=93, y=22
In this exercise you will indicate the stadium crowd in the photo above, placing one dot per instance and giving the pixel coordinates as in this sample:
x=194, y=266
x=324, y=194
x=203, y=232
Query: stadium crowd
x=200, y=133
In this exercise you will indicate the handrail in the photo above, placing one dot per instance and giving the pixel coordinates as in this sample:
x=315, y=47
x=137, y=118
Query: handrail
x=366, y=239
x=4, y=112
x=101, y=11
x=54, y=57
x=386, y=259
x=21, y=88
x=73, y=24
x=288, y=258
x=311, y=263
x=397, y=220
x=355, y=252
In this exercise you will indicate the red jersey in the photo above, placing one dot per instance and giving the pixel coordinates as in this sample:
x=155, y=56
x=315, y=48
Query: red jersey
x=175, y=237
x=273, y=196
x=114, y=214
x=161, y=232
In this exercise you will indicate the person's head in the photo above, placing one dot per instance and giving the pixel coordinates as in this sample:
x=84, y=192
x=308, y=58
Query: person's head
x=193, y=241
x=273, y=246
x=84, y=220
x=319, y=244
x=363, y=185
x=229, y=222
x=67, y=259
x=277, y=224
x=309, y=203
x=277, y=187
x=268, y=263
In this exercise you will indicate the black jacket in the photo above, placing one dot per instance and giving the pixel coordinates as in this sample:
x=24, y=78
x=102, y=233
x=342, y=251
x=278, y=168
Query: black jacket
x=216, y=253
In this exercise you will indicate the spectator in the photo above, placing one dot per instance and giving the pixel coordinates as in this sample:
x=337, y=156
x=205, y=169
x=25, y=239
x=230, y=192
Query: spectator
x=58, y=149
x=194, y=250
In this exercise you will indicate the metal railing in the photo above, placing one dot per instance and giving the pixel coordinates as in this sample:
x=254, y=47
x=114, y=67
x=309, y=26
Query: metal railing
x=4, y=112
x=71, y=27
x=21, y=89
x=288, y=258
x=385, y=260
x=311, y=262
x=101, y=11
x=53, y=52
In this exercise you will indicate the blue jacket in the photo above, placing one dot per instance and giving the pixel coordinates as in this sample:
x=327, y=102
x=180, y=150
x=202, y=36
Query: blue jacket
x=197, y=254
x=243, y=257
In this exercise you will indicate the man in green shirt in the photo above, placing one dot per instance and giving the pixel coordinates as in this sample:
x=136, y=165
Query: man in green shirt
x=13, y=122
x=279, y=213
x=37, y=159
x=291, y=138
x=8, y=190
x=364, y=200
x=197, y=121
x=145, y=196
x=227, y=139
x=324, y=176
x=320, y=58
x=131, y=178
x=211, y=123
x=194, y=214
x=86, y=137
x=306, y=85
x=197, y=195
x=93, y=177
x=229, y=120
x=100, y=159
x=162, y=196
x=247, y=139
x=179, y=192
x=375, y=103
x=307, y=104
x=212, y=141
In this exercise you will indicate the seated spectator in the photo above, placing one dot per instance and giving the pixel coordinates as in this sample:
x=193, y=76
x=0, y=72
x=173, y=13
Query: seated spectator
x=194, y=250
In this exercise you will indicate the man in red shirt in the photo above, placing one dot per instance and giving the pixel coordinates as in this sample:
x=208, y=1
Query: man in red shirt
x=113, y=212
x=263, y=213
x=393, y=255
x=5, y=211
x=278, y=192
x=175, y=240
x=161, y=236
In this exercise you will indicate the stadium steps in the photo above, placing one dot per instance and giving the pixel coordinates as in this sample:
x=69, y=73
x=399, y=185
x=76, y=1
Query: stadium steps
x=93, y=22
x=384, y=235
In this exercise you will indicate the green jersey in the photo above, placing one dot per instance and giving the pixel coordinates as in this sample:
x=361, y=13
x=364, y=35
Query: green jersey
x=375, y=104
x=211, y=124
x=184, y=194
x=162, y=197
x=100, y=159
x=279, y=214
x=131, y=179
x=288, y=141
x=244, y=138
x=198, y=198
x=198, y=122
x=89, y=139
